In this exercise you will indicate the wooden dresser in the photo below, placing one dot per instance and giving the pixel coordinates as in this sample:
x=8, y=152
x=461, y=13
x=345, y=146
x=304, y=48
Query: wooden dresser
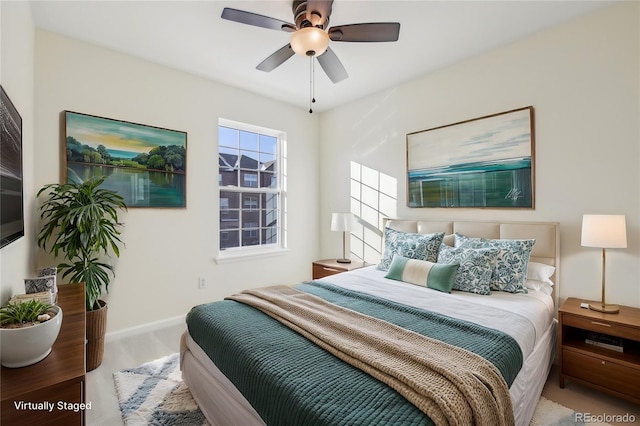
x=608, y=370
x=58, y=380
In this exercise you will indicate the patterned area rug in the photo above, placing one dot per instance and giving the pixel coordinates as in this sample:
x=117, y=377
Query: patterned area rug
x=551, y=413
x=154, y=394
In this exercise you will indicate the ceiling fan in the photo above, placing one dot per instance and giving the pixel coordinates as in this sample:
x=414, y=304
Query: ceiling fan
x=311, y=34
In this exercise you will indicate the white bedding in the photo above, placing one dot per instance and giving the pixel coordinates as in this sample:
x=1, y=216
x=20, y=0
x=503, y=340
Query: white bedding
x=525, y=317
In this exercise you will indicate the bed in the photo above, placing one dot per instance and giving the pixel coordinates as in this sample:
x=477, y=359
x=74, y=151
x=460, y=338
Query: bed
x=244, y=367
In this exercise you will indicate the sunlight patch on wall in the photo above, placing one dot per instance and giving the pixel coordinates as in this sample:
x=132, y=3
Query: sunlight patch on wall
x=374, y=196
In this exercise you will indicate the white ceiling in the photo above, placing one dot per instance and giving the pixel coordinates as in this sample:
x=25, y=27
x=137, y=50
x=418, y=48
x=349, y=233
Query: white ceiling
x=190, y=36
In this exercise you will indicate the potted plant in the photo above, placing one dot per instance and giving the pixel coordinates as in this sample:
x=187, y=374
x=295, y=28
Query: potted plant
x=28, y=330
x=81, y=221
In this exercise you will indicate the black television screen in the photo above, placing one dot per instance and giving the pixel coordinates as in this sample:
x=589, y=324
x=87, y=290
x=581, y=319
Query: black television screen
x=11, y=204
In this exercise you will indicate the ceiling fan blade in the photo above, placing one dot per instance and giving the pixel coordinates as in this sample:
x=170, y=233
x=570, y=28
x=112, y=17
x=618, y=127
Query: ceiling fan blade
x=256, y=20
x=332, y=66
x=276, y=59
x=372, y=32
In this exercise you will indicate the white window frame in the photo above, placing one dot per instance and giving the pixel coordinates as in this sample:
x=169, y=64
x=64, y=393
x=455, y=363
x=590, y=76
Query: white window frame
x=240, y=253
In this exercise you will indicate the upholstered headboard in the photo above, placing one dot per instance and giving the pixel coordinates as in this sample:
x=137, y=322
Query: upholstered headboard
x=546, y=249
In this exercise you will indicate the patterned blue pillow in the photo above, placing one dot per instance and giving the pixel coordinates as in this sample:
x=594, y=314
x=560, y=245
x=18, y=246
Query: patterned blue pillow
x=510, y=270
x=476, y=266
x=413, y=246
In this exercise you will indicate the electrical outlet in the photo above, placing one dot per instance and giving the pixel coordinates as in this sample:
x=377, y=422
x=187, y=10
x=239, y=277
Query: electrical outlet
x=202, y=282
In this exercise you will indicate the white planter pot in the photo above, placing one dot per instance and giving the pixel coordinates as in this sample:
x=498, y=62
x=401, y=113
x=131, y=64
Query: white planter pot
x=20, y=347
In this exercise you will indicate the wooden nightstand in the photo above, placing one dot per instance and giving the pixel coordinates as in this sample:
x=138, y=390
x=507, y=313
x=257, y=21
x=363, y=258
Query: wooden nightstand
x=617, y=373
x=326, y=267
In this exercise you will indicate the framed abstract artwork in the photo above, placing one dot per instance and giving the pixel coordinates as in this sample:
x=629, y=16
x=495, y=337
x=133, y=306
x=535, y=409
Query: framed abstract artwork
x=483, y=162
x=11, y=186
x=144, y=164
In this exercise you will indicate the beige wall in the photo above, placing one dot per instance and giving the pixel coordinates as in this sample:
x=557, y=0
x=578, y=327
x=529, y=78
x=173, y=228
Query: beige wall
x=16, y=77
x=582, y=78
x=168, y=249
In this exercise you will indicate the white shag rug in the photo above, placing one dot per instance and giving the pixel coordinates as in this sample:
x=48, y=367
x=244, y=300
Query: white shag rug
x=154, y=394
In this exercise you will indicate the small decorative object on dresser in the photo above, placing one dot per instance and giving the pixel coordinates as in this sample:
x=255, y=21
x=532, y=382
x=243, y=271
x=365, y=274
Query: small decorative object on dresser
x=324, y=268
x=46, y=281
x=599, y=350
x=342, y=222
x=604, y=231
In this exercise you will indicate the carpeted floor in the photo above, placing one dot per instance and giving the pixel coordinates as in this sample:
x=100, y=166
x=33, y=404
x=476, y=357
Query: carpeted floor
x=154, y=394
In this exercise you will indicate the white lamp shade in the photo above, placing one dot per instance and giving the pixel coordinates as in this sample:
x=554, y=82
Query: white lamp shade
x=341, y=221
x=310, y=39
x=604, y=231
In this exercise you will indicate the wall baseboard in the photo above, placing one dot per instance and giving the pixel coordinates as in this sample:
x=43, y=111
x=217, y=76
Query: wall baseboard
x=144, y=328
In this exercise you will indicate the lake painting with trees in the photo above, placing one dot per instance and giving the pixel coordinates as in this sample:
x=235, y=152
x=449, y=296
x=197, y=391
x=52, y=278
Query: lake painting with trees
x=144, y=164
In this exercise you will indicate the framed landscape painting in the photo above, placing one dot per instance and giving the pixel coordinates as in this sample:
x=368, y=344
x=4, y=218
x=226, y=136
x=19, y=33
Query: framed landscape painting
x=483, y=162
x=144, y=164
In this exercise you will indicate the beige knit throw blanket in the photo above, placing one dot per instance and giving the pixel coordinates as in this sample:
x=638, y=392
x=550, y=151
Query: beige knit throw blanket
x=451, y=385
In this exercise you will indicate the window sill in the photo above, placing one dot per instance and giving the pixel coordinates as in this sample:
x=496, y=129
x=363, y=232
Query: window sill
x=240, y=255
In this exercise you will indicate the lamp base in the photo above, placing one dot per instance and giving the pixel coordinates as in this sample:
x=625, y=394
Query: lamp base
x=343, y=260
x=606, y=308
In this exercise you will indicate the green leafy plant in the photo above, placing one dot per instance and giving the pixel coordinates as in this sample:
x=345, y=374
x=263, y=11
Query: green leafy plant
x=22, y=312
x=81, y=220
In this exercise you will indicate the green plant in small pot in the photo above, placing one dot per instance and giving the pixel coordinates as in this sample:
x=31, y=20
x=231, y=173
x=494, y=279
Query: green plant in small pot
x=81, y=222
x=24, y=314
x=28, y=330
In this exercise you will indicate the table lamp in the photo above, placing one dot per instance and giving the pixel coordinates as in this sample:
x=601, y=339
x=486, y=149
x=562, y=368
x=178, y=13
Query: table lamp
x=342, y=222
x=604, y=231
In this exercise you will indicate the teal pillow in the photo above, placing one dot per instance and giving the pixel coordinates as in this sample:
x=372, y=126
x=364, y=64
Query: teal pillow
x=423, y=273
x=410, y=245
x=510, y=268
x=476, y=266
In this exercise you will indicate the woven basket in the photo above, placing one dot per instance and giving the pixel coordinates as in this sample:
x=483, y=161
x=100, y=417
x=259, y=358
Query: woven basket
x=96, y=329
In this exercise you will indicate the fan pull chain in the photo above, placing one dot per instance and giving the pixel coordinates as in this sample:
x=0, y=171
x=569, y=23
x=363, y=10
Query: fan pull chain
x=312, y=98
x=313, y=68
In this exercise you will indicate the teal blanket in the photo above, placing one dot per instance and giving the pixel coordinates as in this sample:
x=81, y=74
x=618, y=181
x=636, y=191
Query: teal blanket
x=290, y=381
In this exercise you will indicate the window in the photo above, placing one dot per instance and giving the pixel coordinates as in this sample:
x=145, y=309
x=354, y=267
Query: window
x=251, y=180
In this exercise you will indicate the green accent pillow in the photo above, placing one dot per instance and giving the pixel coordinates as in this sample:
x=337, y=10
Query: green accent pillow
x=436, y=276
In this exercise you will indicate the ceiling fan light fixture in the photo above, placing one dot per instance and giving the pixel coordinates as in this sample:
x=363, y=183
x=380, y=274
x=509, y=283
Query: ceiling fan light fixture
x=310, y=41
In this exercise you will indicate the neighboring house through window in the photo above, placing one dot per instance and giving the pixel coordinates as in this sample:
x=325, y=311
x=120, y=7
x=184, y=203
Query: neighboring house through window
x=251, y=181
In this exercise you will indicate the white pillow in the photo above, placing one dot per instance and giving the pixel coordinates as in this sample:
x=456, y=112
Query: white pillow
x=540, y=272
x=544, y=287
